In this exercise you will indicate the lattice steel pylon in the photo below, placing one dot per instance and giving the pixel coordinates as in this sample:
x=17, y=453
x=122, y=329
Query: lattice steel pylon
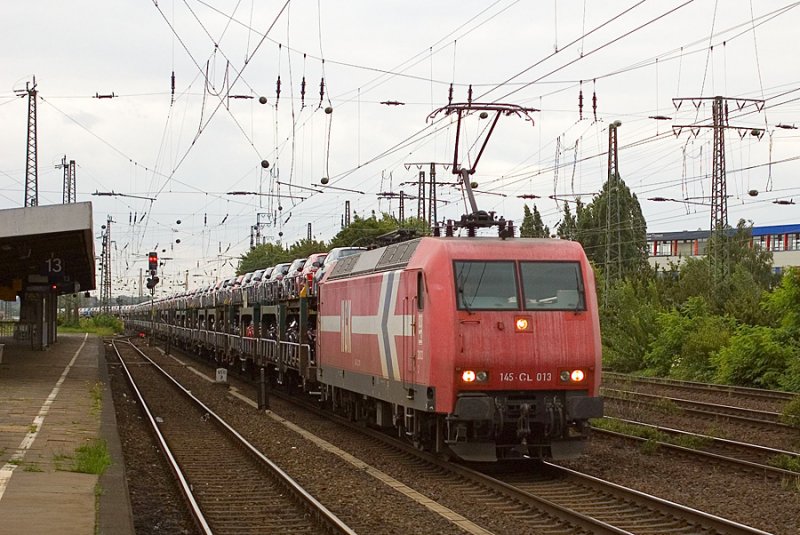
x=31, y=162
x=613, y=267
x=69, y=184
x=105, y=269
x=427, y=199
x=719, y=189
x=69, y=180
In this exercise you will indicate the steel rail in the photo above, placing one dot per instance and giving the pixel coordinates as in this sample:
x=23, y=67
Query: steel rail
x=185, y=488
x=752, y=465
x=700, y=407
x=776, y=395
x=327, y=518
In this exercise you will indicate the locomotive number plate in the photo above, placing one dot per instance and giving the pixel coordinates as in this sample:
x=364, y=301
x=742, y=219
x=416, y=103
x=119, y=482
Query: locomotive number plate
x=525, y=377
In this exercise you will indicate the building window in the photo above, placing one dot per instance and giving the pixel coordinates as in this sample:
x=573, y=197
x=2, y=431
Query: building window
x=794, y=242
x=776, y=242
x=760, y=241
x=701, y=246
x=664, y=248
x=686, y=248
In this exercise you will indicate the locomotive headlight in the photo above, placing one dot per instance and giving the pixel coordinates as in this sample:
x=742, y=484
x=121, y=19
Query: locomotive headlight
x=522, y=324
x=468, y=376
x=577, y=376
x=482, y=377
x=564, y=376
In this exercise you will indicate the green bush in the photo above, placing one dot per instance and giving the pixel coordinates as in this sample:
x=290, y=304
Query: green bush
x=103, y=324
x=628, y=322
x=687, y=339
x=756, y=357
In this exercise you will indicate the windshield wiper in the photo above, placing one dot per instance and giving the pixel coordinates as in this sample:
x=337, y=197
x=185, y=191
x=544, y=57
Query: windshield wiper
x=581, y=293
x=463, y=299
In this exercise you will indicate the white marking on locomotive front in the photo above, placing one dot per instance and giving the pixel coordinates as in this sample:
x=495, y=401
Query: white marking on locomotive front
x=395, y=325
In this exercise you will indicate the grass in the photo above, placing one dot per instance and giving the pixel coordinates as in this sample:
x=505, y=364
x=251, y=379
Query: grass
x=691, y=442
x=650, y=447
x=611, y=424
x=791, y=413
x=650, y=434
x=92, y=458
x=59, y=460
x=98, y=491
x=97, y=398
x=667, y=406
x=100, y=331
x=785, y=462
x=791, y=483
x=103, y=325
x=32, y=467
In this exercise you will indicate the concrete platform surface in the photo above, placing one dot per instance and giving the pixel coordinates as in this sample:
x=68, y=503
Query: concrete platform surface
x=52, y=403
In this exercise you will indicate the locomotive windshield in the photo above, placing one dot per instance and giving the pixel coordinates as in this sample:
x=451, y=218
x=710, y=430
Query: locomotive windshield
x=491, y=285
x=486, y=285
x=552, y=286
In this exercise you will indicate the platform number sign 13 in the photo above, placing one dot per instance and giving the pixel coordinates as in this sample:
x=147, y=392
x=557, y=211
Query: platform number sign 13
x=54, y=265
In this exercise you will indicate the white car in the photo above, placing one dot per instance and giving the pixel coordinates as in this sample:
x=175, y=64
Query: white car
x=333, y=255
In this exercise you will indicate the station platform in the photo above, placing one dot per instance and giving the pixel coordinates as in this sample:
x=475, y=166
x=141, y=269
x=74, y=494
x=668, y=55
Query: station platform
x=51, y=403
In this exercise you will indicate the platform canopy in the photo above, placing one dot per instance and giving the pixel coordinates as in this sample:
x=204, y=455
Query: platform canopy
x=47, y=246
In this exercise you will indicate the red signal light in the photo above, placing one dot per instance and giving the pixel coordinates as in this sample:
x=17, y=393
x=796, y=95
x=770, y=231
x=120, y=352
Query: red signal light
x=152, y=259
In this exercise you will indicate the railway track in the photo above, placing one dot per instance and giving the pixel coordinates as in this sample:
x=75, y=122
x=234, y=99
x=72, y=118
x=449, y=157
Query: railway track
x=530, y=493
x=558, y=501
x=629, y=510
x=717, y=411
x=229, y=485
x=752, y=457
x=769, y=400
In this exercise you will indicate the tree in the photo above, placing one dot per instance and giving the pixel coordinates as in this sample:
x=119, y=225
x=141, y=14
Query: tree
x=613, y=231
x=263, y=256
x=363, y=232
x=739, y=294
x=306, y=247
x=567, y=228
x=532, y=225
x=781, y=304
x=628, y=324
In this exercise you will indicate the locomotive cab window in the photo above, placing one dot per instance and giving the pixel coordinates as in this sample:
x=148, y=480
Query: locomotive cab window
x=552, y=286
x=485, y=285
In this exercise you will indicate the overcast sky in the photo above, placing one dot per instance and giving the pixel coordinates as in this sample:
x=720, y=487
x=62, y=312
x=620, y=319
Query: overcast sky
x=189, y=149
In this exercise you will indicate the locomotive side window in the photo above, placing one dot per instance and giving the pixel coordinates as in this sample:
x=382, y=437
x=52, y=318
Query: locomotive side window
x=552, y=286
x=485, y=285
x=420, y=291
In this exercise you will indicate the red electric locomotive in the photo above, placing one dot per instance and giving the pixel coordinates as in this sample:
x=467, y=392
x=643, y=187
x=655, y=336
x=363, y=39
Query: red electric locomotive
x=481, y=347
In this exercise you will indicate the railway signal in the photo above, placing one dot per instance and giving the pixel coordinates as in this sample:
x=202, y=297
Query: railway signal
x=152, y=259
x=152, y=280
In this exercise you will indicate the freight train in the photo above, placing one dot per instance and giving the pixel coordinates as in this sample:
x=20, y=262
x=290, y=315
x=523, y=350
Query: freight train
x=480, y=348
